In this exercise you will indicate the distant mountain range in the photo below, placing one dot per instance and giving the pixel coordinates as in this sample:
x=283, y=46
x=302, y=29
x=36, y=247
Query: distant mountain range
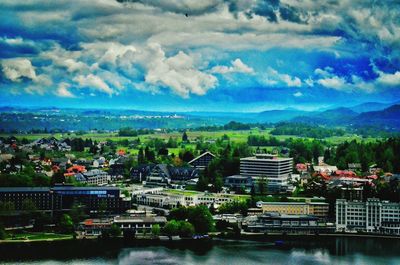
x=383, y=115
x=387, y=118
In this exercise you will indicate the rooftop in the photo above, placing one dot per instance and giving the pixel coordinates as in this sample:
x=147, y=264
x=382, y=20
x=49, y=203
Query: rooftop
x=269, y=157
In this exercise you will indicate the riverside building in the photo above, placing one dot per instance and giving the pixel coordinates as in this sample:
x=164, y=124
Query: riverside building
x=373, y=216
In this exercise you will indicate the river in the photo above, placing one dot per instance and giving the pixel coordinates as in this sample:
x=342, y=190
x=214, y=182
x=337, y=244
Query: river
x=294, y=251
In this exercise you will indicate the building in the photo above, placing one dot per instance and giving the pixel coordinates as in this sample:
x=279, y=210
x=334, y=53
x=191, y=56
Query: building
x=133, y=224
x=285, y=223
x=164, y=175
x=140, y=173
x=93, y=177
x=374, y=216
x=319, y=209
x=95, y=227
x=239, y=182
x=202, y=161
x=327, y=169
x=63, y=197
x=275, y=169
x=172, y=200
x=139, y=223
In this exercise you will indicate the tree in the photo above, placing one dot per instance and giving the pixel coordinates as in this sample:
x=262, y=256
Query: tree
x=141, y=159
x=149, y=154
x=179, y=213
x=58, y=177
x=201, y=185
x=155, y=230
x=3, y=233
x=184, y=137
x=66, y=225
x=201, y=219
x=186, y=229
x=187, y=156
x=171, y=228
x=77, y=213
x=115, y=231
x=41, y=219
x=218, y=184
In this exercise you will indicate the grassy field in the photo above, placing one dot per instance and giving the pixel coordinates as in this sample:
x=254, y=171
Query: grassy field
x=37, y=237
x=235, y=136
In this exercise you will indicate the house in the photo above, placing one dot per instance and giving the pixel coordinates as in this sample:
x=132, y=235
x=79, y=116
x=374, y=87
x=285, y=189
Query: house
x=140, y=173
x=159, y=176
x=100, y=162
x=354, y=166
x=300, y=167
x=117, y=166
x=93, y=177
x=61, y=162
x=76, y=169
x=139, y=223
x=164, y=175
x=50, y=143
x=202, y=161
x=182, y=174
x=95, y=227
x=327, y=169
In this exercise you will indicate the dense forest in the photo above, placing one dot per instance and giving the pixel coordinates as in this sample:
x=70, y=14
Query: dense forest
x=305, y=130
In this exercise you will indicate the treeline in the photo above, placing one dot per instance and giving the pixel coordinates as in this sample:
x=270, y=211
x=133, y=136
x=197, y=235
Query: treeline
x=384, y=153
x=305, y=130
x=261, y=140
x=232, y=126
x=127, y=131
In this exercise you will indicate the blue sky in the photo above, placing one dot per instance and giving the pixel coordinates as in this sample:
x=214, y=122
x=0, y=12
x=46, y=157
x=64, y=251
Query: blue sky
x=210, y=55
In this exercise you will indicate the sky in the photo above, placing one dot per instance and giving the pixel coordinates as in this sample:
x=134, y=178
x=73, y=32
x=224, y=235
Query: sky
x=191, y=55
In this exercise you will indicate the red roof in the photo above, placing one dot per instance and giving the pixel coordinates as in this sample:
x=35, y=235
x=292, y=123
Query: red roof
x=121, y=152
x=76, y=169
x=345, y=173
x=373, y=177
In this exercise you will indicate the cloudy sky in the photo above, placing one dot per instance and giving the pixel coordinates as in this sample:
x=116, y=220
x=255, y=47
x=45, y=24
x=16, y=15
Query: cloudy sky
x=214, y=55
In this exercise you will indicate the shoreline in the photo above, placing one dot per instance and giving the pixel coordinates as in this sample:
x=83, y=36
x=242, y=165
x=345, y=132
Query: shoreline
x=246, y=237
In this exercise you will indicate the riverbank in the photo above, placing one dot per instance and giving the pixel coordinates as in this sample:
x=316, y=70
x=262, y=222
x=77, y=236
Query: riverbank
x=100, y=251
x=32, y=238
x=261, y=236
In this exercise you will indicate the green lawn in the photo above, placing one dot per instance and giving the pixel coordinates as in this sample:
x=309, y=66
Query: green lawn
x=38, y=236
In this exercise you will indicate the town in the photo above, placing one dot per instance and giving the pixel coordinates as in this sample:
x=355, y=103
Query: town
x=184, y=186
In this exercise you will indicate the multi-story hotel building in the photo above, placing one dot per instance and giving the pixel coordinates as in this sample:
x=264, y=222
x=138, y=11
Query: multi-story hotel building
x=275, y=169
x=373, y=215
x=61, y=198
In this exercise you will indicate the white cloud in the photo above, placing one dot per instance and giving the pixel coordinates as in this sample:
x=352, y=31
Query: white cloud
x=93, y=82
x=389, y=79
x=237, y=67
x=274, y=77
x=62, y=91
x=298, y=94
x=178, y=72
x=334, y=82
x=17, y=68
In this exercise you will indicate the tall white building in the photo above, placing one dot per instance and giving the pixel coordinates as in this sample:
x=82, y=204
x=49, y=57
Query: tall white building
x=276, y=169
x=370, y=216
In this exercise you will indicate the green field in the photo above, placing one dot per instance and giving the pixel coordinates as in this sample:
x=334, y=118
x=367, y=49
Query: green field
x=236, y=136
x=37, y=237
